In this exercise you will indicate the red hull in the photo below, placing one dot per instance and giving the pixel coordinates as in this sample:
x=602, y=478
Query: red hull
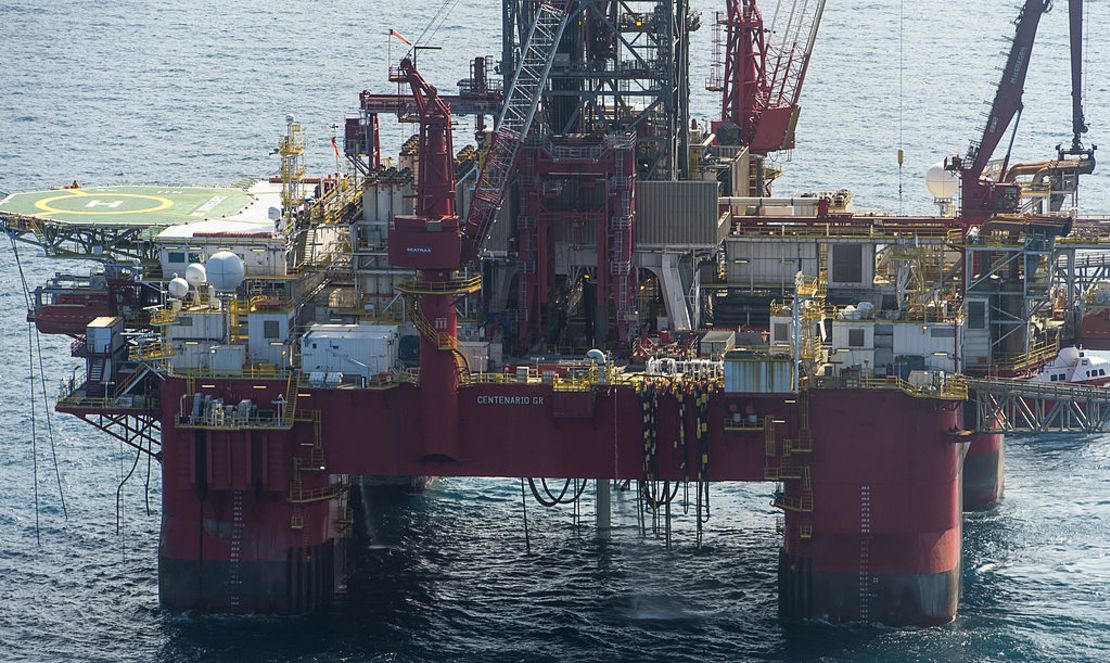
x=878, y=540
x=70, y=317
x=1094, y=330
x=884, y=535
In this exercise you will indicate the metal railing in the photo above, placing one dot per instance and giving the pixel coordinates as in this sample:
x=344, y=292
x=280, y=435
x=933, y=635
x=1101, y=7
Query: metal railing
x=460, y=286
x=248, y=372
x=1040, y=353
x=953, y=388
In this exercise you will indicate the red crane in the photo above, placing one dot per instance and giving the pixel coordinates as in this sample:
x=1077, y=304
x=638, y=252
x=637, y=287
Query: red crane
x=430, y=241
x=763, y=70
x=1078, y=121
x=980, y=197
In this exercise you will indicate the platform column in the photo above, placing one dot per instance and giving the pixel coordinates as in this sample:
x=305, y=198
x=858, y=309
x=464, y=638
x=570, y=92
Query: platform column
x=437, y=321
x=984, y=471
x=439, y=379
x=252, y=521
x=878, y=540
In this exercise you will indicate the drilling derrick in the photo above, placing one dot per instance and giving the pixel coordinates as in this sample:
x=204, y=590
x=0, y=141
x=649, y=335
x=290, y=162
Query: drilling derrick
x=615, y=111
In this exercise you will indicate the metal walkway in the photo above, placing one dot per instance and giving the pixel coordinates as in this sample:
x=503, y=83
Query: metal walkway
x=1018, y=406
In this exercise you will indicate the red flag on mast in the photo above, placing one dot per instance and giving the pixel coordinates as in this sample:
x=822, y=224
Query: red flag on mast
x=394, y=33
x=335, y=147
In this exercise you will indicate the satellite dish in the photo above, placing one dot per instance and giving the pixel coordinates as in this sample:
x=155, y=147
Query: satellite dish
x=195, y=274
x=178, y=287
x=226, y=271
x=940, y=182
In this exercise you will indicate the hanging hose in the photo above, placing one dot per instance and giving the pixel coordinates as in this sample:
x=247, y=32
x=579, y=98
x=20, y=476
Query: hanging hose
x=701, y=433
x=656, y=498
x=119, y=490
x=146, y=492
x=553, y=500
x=119, y=498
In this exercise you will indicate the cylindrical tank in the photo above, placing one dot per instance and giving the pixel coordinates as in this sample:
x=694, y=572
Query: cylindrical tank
x=370, y=285
x=370, y=202
x=874, y=525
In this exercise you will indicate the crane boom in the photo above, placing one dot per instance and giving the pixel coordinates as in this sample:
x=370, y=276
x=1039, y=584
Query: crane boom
x=764, y=69
x=1008, y=99
x=1078, y=122
x=980, y=197
x=515, y=121
x=435, y=196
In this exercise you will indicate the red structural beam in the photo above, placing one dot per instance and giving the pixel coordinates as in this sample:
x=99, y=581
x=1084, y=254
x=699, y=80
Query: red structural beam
x=488, y=103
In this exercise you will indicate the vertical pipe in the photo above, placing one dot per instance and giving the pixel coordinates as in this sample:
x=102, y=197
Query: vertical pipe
x=604, y=508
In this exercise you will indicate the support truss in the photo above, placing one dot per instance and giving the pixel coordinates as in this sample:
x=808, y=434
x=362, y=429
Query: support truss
x=1016, y=406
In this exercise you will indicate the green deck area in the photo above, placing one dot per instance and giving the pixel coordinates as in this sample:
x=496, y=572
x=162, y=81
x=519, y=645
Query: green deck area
x=140, y=206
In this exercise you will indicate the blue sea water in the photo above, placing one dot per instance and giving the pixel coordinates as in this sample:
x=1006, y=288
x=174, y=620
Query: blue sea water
x=132, y=91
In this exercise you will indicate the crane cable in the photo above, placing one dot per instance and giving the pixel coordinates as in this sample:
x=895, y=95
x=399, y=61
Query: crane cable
x=901, y=102
x=437, y=21
x=32, y=332
x=34, y=430
x=50, y=427
x=42, y=381
x=1086, y=51
x=443, y=20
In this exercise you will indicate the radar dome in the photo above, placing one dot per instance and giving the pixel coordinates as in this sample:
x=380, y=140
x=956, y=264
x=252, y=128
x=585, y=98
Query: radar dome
x=941, y=183
x=195, y=274
x=178, y=287
x=226, y=271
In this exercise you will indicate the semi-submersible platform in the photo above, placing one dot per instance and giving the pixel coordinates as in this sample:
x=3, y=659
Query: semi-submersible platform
x=598, y=288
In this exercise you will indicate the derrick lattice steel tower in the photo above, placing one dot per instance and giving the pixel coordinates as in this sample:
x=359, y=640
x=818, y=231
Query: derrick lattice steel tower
x=614, y=110
x=622, y=67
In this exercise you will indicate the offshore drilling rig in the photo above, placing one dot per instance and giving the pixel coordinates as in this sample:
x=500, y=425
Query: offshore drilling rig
x=600, y=289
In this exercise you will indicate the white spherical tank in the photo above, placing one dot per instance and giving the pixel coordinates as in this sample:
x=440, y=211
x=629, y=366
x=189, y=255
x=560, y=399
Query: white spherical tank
x=226, y=271
x=195, y=274
x=941, y=183
x=178, y=287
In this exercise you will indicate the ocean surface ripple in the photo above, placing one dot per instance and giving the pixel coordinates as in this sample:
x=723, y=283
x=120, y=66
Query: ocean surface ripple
x=130, y=91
